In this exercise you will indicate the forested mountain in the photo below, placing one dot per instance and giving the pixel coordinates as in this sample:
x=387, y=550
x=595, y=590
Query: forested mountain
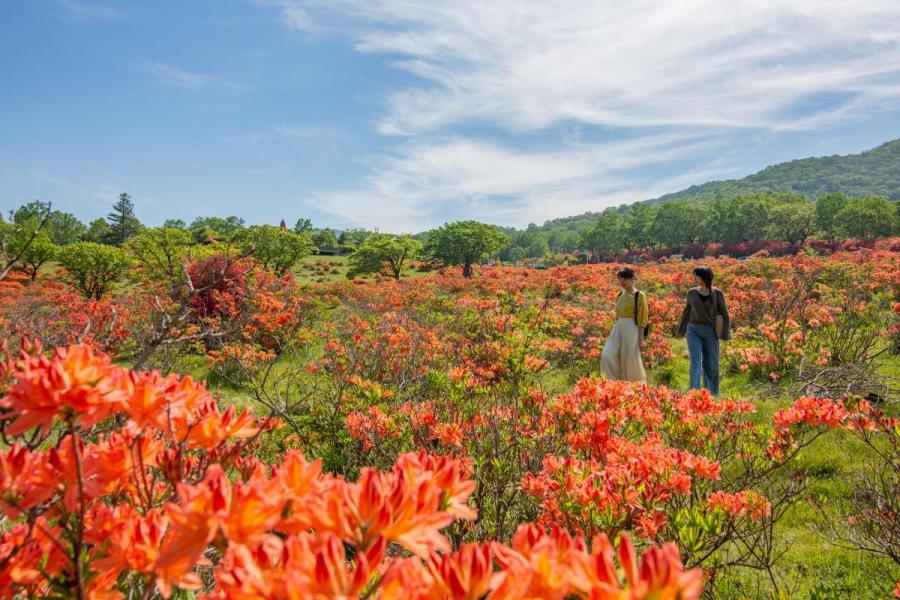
x=875, y=172
x=793, y=186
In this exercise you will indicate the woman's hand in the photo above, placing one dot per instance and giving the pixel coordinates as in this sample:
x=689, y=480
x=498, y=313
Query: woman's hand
x=641, y=342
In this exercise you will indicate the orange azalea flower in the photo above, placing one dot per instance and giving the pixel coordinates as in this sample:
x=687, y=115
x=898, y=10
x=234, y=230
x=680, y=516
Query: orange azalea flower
x=660, y=574
x=194, y=521
x=449, y=475
x=37, y=555
x=464, y=575
x=742, y=504
x=249, y=574
x=215, y=427
x=74, y=385
x=128, y=541
x=26, y=480
x=538, y=564
x=386, y=504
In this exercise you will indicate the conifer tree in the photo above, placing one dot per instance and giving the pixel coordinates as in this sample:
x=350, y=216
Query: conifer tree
x=123, y=224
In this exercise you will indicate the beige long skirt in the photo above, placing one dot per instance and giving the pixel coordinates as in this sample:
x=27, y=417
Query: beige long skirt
x=621, y=358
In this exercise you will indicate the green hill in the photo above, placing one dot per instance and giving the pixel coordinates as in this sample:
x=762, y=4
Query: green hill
x=875, y=172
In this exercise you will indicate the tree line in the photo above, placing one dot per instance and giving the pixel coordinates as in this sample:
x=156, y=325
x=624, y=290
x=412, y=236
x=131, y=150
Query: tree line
x=768, y=215
x=36, y=234
x=95, y=256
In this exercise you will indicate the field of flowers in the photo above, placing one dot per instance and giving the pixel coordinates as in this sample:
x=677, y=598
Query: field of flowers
x=226, y=432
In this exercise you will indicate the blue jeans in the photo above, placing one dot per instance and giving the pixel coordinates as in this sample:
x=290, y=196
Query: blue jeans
x=703, y=346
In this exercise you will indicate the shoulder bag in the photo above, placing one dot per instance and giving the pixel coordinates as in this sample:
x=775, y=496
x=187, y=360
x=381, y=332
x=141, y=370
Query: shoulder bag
x=720, y=320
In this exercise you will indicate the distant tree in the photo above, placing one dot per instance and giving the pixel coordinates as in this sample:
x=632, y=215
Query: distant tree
x=205, y=228
x=63, y=228
x=98, y=232
x=793, y=222
x=91, y=268
x=28, y=211
x=275, y=248
x=354, y=237
x=677, y=223
x=827, y=208
x=33, y=246
x=866, y=218
x=303, y=226
x=604, y=239
x=739, y=219
x=174, y=224
x=382, y=251
x=637, y=225
x=537, y=245
x=17, y=239
x=463, y=243
x=324, y=239
x=160, y=251
x=123, y=224
x=516, y=254
x=754, y=216
x=896, y=204
x=531, y=243
x=563, y=240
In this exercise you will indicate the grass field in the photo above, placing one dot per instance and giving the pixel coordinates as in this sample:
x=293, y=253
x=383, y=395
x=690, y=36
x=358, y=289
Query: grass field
x=331, y=269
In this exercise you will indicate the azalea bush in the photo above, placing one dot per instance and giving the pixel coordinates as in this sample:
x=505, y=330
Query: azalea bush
x=173, y=498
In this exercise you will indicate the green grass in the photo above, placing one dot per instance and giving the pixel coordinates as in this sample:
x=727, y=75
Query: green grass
x=333, y=269
x=811, y=567
x=321, y=269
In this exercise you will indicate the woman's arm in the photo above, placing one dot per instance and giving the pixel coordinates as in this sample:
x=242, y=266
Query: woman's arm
x=643, y=308
x=726, y=320
x=685, y=318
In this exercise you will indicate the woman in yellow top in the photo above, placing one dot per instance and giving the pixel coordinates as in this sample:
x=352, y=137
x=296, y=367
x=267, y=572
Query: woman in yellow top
x=621, y=358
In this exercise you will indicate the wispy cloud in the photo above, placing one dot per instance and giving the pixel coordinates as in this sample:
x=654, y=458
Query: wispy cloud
x=306, y=133
x=85, y=11
x=528, y=64
x=423, y=183
x=293, y=14
x=177, y=77
x=699, y=70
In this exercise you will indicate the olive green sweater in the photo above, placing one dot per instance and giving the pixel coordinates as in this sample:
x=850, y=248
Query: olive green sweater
x=704, y=313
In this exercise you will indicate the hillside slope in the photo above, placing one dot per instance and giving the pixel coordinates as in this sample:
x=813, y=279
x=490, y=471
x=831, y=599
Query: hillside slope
x=873, y=172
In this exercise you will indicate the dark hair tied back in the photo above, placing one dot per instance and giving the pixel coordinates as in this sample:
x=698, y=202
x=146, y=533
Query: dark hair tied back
x=626, y=273
x=706, y=274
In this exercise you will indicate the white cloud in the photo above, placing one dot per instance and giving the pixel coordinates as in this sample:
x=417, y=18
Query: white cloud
x=528, y=64
x=306, y=133
x=177, y=77
x=698, y=69
x=424, y=182
x=292, y=14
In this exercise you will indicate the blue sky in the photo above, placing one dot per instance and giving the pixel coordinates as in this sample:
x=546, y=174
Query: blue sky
x=404, y=114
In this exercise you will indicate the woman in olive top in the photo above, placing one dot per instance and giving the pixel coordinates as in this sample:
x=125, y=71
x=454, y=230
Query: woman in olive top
x=621, y=358
x=705, y=305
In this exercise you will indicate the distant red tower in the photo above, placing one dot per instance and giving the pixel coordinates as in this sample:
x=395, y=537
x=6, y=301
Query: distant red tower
x=283, y=224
